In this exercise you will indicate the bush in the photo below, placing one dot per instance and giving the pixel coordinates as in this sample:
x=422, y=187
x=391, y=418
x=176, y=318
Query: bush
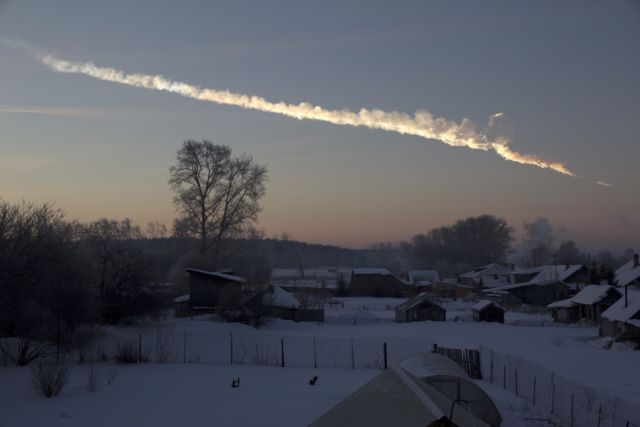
x=127, y=352
x=49, y=379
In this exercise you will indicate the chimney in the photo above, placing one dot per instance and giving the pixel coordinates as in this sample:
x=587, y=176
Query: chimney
x=626, y=298
x=636, y=261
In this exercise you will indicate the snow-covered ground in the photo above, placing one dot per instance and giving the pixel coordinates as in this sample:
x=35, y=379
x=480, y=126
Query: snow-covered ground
x=172, y=395
x=179, y=394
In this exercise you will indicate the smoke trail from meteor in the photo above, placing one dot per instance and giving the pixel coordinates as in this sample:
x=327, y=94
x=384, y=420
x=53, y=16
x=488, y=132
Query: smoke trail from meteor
x=422, y=123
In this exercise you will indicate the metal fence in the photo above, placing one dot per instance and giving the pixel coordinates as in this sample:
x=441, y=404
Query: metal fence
x=570, y=403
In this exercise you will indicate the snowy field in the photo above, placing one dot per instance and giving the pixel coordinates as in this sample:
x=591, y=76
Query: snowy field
x=186, y=393
x=179, y=395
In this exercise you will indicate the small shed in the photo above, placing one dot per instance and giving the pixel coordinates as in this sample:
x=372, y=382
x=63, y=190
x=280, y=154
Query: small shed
x=284, y=305
x=487, y=311
x=564, y=311
x=181, y=305
x=419, y=308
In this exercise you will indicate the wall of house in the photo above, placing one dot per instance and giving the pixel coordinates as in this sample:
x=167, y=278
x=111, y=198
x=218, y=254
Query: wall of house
x=377, y=285
x=540, y=295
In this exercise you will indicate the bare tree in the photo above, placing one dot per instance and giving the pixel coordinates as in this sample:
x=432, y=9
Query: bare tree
x=538, y=241
x=156, y=230
x=216, y=194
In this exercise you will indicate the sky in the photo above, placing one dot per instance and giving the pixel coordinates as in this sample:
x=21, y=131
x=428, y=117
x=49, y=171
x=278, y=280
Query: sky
x=566, y=76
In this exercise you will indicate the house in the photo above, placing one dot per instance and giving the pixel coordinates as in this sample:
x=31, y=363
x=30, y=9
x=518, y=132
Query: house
x=376, y=282
x=542, y=285
x=622, y=319
x=487, y=311
x=426, y=390
x=490, y=275
x=629, y=274
x=284, y=305
x=419, y=308
x=587, y=305
x=420, y=278
x=205, y=288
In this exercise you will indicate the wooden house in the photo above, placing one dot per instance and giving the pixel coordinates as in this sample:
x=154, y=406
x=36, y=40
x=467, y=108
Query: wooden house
x=419, y=308
x=587, y=305
x=487, y=311
x=377, y=282
x=205, y=288
x=543, y=285
x=493, y=274
x=622, y=319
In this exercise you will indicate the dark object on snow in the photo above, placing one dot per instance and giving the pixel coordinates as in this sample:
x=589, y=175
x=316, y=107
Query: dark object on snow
x=236, y=382
x=313, y=380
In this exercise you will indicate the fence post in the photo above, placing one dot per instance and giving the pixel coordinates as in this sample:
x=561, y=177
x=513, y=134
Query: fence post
x=534, y=391
x=491, y=380
x=599, y=413
x=315, y=356
x=353, y=360
x=282, y=351
x=571, y=409
x=184, y=348
x=553, y=392
x=384, y=347
x=504, y=377
x=139, y=348
x=231, y=347
x=517, y=382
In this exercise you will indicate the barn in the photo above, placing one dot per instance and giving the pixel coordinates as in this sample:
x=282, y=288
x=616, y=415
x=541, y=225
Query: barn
x=204, y=291
x=419, y=308
x=487, y=311
x=376, y=282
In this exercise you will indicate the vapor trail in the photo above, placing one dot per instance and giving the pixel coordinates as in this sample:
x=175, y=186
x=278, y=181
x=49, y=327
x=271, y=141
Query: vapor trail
x=422, y=123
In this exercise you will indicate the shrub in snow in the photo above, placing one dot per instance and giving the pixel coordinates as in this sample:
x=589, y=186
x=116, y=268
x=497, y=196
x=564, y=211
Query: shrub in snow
x=127, y=352
x=49, y=379
x=164, y=345
x=21, y=351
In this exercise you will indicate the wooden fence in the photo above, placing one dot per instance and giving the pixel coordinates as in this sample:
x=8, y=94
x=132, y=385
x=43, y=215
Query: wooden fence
x=468, y=359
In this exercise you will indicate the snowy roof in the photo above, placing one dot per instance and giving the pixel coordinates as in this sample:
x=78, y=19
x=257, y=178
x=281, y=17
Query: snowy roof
x=218, y=275
x=412, y=302
x=379, y=271
x=485, y=303
x=423, y=275
x=627, y=273
x=282, y=298
x=182, y=298
x=619, y=312
x=548, y=274
x=486, y=269
x=563, y=303
x=593, y=294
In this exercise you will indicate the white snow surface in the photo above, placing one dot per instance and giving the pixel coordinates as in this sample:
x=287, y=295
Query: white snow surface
x=186, y=395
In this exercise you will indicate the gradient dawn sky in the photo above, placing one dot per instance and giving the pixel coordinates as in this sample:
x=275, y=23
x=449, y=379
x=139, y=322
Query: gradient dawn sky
x=566, y=75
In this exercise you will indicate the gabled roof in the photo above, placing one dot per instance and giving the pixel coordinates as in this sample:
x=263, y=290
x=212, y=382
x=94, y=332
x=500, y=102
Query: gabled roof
x=413, y=302
x=589, y=295
x=488, y=269
x=485, y=303
x=627, y=273
x=423, y=275
x=223, y=276
x=548, y=274
x=619, y=312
